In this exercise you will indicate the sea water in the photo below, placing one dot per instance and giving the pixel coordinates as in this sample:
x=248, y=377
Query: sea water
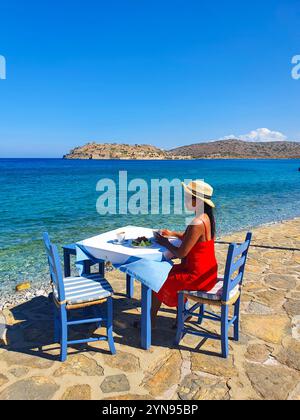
x=59, y=196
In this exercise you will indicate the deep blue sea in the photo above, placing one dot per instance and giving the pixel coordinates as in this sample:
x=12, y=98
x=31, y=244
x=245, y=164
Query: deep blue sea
x=59, y=196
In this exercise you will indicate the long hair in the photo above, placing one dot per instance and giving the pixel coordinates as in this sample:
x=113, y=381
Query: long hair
x=210, y=213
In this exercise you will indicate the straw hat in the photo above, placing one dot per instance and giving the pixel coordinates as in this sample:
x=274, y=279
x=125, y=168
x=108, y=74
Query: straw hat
x=201, y=190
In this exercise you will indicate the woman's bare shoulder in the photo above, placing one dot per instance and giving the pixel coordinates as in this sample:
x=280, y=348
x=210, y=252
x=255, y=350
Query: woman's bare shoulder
x=197, y=222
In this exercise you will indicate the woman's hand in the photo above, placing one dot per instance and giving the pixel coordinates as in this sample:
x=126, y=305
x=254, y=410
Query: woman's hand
x=166, y=232
x=189, y=239
x=161, y=240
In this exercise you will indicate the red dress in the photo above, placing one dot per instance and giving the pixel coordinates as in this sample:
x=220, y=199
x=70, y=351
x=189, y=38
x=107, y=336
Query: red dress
x=197, y=271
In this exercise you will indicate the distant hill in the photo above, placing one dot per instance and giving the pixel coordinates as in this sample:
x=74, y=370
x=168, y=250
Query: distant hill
x=221, y=149
x=120, y=151
x=235, y=149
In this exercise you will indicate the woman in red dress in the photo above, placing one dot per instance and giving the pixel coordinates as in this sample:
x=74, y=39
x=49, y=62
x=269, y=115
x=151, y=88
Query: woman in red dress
x=198, y=268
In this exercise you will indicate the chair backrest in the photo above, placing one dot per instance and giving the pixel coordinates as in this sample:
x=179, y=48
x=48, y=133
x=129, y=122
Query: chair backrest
x=55, y=268
x=235, y=266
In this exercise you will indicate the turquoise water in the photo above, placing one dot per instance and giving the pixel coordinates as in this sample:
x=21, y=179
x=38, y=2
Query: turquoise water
x=60, y=197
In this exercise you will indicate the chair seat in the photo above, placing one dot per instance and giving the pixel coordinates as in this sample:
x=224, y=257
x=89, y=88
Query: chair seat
x=85, y=289
x=215, y=294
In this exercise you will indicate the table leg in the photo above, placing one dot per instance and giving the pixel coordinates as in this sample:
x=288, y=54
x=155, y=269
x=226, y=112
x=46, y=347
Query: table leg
x=87, y=267
x=146, y=317
x=129, y=286
x=67, y=263
x=102, y=268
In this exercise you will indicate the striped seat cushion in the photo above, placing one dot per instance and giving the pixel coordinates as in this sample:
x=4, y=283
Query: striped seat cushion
x=215, y=293
x=86, y=289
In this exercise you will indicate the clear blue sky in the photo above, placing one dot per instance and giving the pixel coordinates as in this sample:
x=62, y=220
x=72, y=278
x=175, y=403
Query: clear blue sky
x=166, y=72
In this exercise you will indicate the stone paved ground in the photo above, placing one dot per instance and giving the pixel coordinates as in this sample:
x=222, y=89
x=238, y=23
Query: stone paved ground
x=264, y=365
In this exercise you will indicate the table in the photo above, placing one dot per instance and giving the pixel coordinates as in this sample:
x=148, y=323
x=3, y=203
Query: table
x=103, y=247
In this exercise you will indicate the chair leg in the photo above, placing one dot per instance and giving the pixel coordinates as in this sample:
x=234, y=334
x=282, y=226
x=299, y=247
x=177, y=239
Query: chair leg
x=99, y=312
x=180, y=318
x=236, y=326
x=64, y=333
x=110, y=337
x=224, y=331
x=56, y=326
x=201, y=313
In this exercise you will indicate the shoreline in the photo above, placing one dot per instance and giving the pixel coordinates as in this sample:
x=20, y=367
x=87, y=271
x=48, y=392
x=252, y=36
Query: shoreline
x=11, y=299
x=187, y=158
x=157, y=160
x=261, y=225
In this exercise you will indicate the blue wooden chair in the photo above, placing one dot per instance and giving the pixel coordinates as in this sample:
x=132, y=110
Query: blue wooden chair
x=71, y=293
x=226, y=293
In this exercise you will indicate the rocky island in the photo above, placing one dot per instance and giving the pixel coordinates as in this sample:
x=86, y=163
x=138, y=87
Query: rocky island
x=121, y=151
x=220, y=149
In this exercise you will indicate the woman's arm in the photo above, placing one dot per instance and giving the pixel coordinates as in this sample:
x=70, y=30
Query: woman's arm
x=191, y=237
x=167, y=232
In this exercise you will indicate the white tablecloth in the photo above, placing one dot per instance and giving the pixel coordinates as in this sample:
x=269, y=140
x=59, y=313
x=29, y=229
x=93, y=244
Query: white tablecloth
x=148, y=265
x=102, y=246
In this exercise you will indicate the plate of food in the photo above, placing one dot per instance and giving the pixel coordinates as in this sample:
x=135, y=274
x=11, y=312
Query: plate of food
x=141, y=242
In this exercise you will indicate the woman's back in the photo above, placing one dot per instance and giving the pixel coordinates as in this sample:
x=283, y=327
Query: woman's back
x=197, y=271
x=201, y=263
